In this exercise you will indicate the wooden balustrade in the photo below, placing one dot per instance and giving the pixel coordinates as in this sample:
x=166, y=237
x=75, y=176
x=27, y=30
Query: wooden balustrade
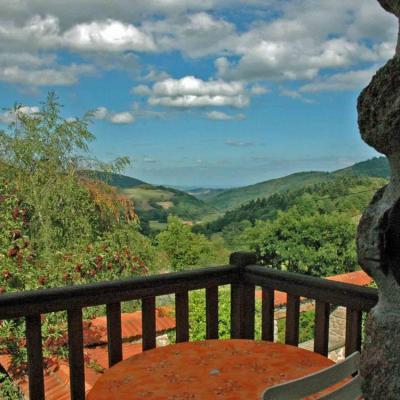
x=242, y=275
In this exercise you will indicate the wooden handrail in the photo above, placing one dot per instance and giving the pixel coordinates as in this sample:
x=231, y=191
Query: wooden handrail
x=337, y=293
x=16, y=305
x=241, y=274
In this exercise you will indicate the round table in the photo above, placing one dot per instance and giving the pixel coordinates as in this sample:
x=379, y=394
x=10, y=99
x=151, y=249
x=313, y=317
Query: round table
x=211, y=369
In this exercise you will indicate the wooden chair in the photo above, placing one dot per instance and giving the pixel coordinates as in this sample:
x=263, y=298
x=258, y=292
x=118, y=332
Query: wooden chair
x=318, y=381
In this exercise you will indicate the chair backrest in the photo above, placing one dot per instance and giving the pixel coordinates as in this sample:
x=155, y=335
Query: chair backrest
x=320, y=380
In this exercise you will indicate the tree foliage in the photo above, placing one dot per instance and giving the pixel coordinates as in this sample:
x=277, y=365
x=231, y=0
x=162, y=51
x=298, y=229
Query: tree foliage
x=314, y=244
x=56, y=227
x=184, y=248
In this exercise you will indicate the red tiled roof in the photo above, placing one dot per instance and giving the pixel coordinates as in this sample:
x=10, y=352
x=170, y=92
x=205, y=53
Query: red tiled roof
x=359, y=278
x=131, y=326
x=280, y=298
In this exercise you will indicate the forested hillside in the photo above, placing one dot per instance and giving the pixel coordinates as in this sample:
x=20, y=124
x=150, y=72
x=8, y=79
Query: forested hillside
x=345, y=193
x=233, y=198
x=113, y=179
x=375, y=167
x=311, y=231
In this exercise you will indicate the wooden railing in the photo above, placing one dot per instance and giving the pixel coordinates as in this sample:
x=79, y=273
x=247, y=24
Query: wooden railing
x=243, y=276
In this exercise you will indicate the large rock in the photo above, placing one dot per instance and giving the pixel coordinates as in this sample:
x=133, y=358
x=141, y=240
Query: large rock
x=392, y=6
x=378, y=239
x=378, y=109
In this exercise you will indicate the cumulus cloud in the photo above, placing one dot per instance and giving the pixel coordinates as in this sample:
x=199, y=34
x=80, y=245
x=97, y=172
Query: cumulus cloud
x=125, y=117
x=258, y=90
x=59, y=75
x=195, y=35
x=303, y=39
x=298, y=59
x=141, y=90
x=349, y=80
x=75, y=11
x=22, y=63
x=190, y=91
x=98, y=35
x=307, y=38
x=221, y=116
x=108, y=35
x=294, y=94
x=8, y=116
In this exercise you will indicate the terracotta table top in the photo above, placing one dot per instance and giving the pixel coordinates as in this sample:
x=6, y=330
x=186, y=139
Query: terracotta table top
x=212, y=369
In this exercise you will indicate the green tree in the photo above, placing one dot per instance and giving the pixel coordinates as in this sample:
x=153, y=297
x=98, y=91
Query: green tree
x=183, y=247
x=42, y=154
x=316, y=244
x=58, y=227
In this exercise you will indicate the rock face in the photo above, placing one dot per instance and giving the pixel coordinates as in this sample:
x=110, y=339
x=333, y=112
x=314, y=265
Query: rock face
x=378, y=241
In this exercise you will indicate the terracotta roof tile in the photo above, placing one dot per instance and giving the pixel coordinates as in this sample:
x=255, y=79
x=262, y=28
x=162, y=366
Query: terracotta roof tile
x=131, y=326
x=359, y=278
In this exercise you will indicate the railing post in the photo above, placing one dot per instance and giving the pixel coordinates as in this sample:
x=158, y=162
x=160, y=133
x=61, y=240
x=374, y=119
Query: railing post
x=242, y=299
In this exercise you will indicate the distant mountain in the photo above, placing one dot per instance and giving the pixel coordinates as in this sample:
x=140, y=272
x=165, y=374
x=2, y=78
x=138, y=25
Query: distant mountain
x=116, y=180
x=155, y=203
x=230, y=199
x=149, y=198
x=343, y=193
x=377, y=167
x=205, y=194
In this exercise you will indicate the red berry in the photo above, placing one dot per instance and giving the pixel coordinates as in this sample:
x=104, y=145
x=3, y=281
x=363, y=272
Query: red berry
x=7, y=274
x=78, y=267
x=15, y=213
x=16, y=234
x=42, y=280
x=13, y=251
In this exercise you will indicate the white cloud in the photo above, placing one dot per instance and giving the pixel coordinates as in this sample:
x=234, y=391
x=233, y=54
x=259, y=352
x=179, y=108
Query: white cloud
x=75, y=11
x=189, y=101
x=303, y=39
x=60, y=75
x=125, y=117
x=195, y=35
x=109, y=35
x=310, y=36
x=141, y=90
x=294, y=94
x=221, y=116
x=8, y=117
x=258, y=90
x=349, y=80
x=194, y=92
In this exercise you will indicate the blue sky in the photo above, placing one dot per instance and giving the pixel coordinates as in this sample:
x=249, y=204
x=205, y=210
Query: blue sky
x=215, y=93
